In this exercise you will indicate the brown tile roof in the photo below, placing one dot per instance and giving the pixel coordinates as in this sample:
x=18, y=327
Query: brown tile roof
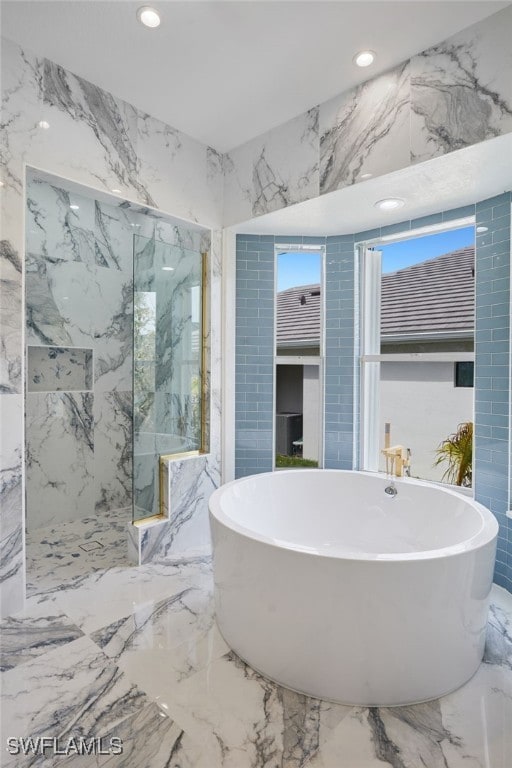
x=432, y=298
x=298, y=316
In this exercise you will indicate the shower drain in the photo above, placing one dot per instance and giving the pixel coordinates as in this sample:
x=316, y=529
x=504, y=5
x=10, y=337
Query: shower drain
x=92, y=545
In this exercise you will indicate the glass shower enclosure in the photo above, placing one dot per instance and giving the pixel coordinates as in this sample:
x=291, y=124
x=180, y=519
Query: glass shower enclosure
x=168, y=363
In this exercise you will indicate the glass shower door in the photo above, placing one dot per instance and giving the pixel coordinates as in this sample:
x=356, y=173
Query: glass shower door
x=168, y=403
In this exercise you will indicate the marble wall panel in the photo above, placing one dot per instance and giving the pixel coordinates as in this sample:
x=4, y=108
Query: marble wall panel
x=11, y=524
x=21, y=93
x=59, y=457
x=113, y=230
x=194, y=189
x=143, y=411
x=178, y=307
x=366, y=130
x=92, y=136
x=20, y=137
x=461, y=89
x=58, y=301
x=10, y=316
x=55, y=231
x=51, y=369
x=112, y=304
x=191, y=481
x=273, y=171
x=112, y=450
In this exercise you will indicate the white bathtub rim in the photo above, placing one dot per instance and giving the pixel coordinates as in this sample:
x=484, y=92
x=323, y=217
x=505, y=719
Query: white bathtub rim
x=483, y=537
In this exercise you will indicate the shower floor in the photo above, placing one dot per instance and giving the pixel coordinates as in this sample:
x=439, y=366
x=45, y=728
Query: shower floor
x=60, y=556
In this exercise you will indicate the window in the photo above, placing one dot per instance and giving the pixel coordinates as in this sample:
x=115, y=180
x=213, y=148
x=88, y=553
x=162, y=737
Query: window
x=464, y=373
x=417, y=329
x=298, y=413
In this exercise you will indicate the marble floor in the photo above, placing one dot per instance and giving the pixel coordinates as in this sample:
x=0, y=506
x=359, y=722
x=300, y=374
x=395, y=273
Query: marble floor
x=69, y=552
x=134, y=653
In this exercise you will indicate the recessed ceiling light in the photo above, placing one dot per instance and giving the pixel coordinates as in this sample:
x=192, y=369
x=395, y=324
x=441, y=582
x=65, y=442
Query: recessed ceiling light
x=74, y=207
x=43, y=124
x=390, y=203
x=364, y=58
x=481, y=229
x=168, y=269
x=148, y=16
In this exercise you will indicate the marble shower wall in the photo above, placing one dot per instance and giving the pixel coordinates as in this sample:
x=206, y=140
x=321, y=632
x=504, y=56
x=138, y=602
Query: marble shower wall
x=446, y=98
x=104, y=143
x=79, y=329
x=188, y=484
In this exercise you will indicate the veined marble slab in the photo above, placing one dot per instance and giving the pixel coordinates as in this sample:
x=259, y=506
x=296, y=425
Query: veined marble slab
x=149, y=738
x=160, y=645
x=10, y=315
x=73, y=304
x=366, y=130
x=34, y=631
x=273, y=171
x=11, y=504
x=70, y=691
x=112, y=450
x=69, y=226
x=65, y=555
x=60, y=457
x=22, y=75
x=124, y=589
x=196, y=191
x=102, y=131
x=461, y=89
x=50, y=369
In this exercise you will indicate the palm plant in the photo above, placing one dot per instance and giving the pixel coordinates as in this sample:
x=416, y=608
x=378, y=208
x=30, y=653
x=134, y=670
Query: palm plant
x=457, y=450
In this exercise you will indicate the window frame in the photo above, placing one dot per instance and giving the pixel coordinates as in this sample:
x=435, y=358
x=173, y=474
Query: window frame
x=313, y=360
x=367, y=372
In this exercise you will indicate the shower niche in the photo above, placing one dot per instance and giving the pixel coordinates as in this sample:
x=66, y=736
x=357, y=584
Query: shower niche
x=116, y=357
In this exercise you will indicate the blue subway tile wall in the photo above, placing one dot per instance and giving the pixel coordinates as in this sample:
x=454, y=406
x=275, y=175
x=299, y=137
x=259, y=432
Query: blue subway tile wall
x=339, y=352
x=492, y=454
x=254, y=355
x=492, y=373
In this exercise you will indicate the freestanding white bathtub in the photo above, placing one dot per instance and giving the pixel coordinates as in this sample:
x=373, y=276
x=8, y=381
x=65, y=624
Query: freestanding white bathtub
x=330, y=587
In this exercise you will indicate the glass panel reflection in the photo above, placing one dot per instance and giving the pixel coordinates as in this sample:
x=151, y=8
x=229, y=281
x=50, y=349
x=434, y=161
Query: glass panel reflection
x=168, y=361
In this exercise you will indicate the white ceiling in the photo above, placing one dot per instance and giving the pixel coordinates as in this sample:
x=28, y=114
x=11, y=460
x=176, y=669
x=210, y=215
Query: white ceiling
x=225, y=72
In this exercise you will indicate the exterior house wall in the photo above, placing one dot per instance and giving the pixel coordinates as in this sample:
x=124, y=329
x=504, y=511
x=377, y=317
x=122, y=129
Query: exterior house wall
x=423, y=406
